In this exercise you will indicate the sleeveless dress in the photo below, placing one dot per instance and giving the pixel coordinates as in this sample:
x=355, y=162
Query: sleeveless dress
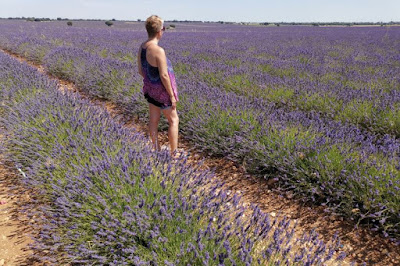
x=153, y=89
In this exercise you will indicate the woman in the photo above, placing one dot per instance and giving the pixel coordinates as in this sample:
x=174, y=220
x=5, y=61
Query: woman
x=159, y=86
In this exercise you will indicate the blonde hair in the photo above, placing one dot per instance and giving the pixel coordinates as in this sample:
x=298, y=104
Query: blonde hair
x=153, y=25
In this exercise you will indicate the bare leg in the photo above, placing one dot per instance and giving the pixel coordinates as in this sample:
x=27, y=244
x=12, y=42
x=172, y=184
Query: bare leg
x=155, y=114
x=173, y=129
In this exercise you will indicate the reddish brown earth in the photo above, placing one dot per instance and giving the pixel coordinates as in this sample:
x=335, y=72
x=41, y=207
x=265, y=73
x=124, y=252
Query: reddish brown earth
x=14, y=225
x=361, y=244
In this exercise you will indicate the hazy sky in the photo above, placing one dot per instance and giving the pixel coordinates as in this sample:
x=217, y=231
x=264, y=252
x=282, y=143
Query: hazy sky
x=209, y=10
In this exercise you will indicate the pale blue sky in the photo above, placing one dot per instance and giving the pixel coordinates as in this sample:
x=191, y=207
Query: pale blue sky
x=209, y=10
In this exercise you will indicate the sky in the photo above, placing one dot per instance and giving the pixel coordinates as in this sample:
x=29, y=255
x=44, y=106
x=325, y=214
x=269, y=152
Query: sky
x=209, y=10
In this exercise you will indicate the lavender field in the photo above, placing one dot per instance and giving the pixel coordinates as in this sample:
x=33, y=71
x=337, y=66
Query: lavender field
x=104, y=197
x=317, y=108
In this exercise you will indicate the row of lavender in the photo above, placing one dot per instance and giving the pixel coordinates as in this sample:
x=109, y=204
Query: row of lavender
x=339, y=164
x=349, y=74
x=106, y=198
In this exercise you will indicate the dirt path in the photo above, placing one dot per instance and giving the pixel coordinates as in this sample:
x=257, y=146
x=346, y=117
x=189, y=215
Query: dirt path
x=361, y=244
x=14, y=225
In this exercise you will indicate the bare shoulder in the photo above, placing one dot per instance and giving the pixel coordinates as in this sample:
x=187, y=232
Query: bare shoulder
x=159, y=50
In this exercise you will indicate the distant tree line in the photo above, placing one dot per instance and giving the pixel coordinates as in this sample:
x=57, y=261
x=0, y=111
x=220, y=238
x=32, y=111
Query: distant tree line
x=290, y=23
x=58, y=19
x=110, y=22
x=330, y=23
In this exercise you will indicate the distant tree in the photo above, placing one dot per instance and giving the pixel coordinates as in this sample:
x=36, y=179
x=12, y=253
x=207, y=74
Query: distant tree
x=37, y=19
x=277, y=24
x=109, y=23
x=315, y=24
x=69, y=23
x=59, y=18
x=172, y=26
x=113, y=19
x=139, y=20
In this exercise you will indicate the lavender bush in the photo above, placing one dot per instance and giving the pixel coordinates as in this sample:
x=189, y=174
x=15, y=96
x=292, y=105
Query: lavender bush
x=106, y=198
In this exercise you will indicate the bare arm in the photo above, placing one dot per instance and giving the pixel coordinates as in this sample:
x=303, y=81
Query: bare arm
x=163, y=70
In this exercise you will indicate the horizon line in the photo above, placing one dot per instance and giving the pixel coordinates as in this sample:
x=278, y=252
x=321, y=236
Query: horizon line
x=203, y=21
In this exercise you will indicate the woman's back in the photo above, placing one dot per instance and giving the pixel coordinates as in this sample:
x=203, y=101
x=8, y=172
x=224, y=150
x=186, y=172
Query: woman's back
x=150, y=71
x=150, y=53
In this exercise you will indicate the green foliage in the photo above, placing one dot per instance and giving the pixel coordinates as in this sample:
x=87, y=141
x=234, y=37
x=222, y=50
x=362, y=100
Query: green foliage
x=239, y=84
